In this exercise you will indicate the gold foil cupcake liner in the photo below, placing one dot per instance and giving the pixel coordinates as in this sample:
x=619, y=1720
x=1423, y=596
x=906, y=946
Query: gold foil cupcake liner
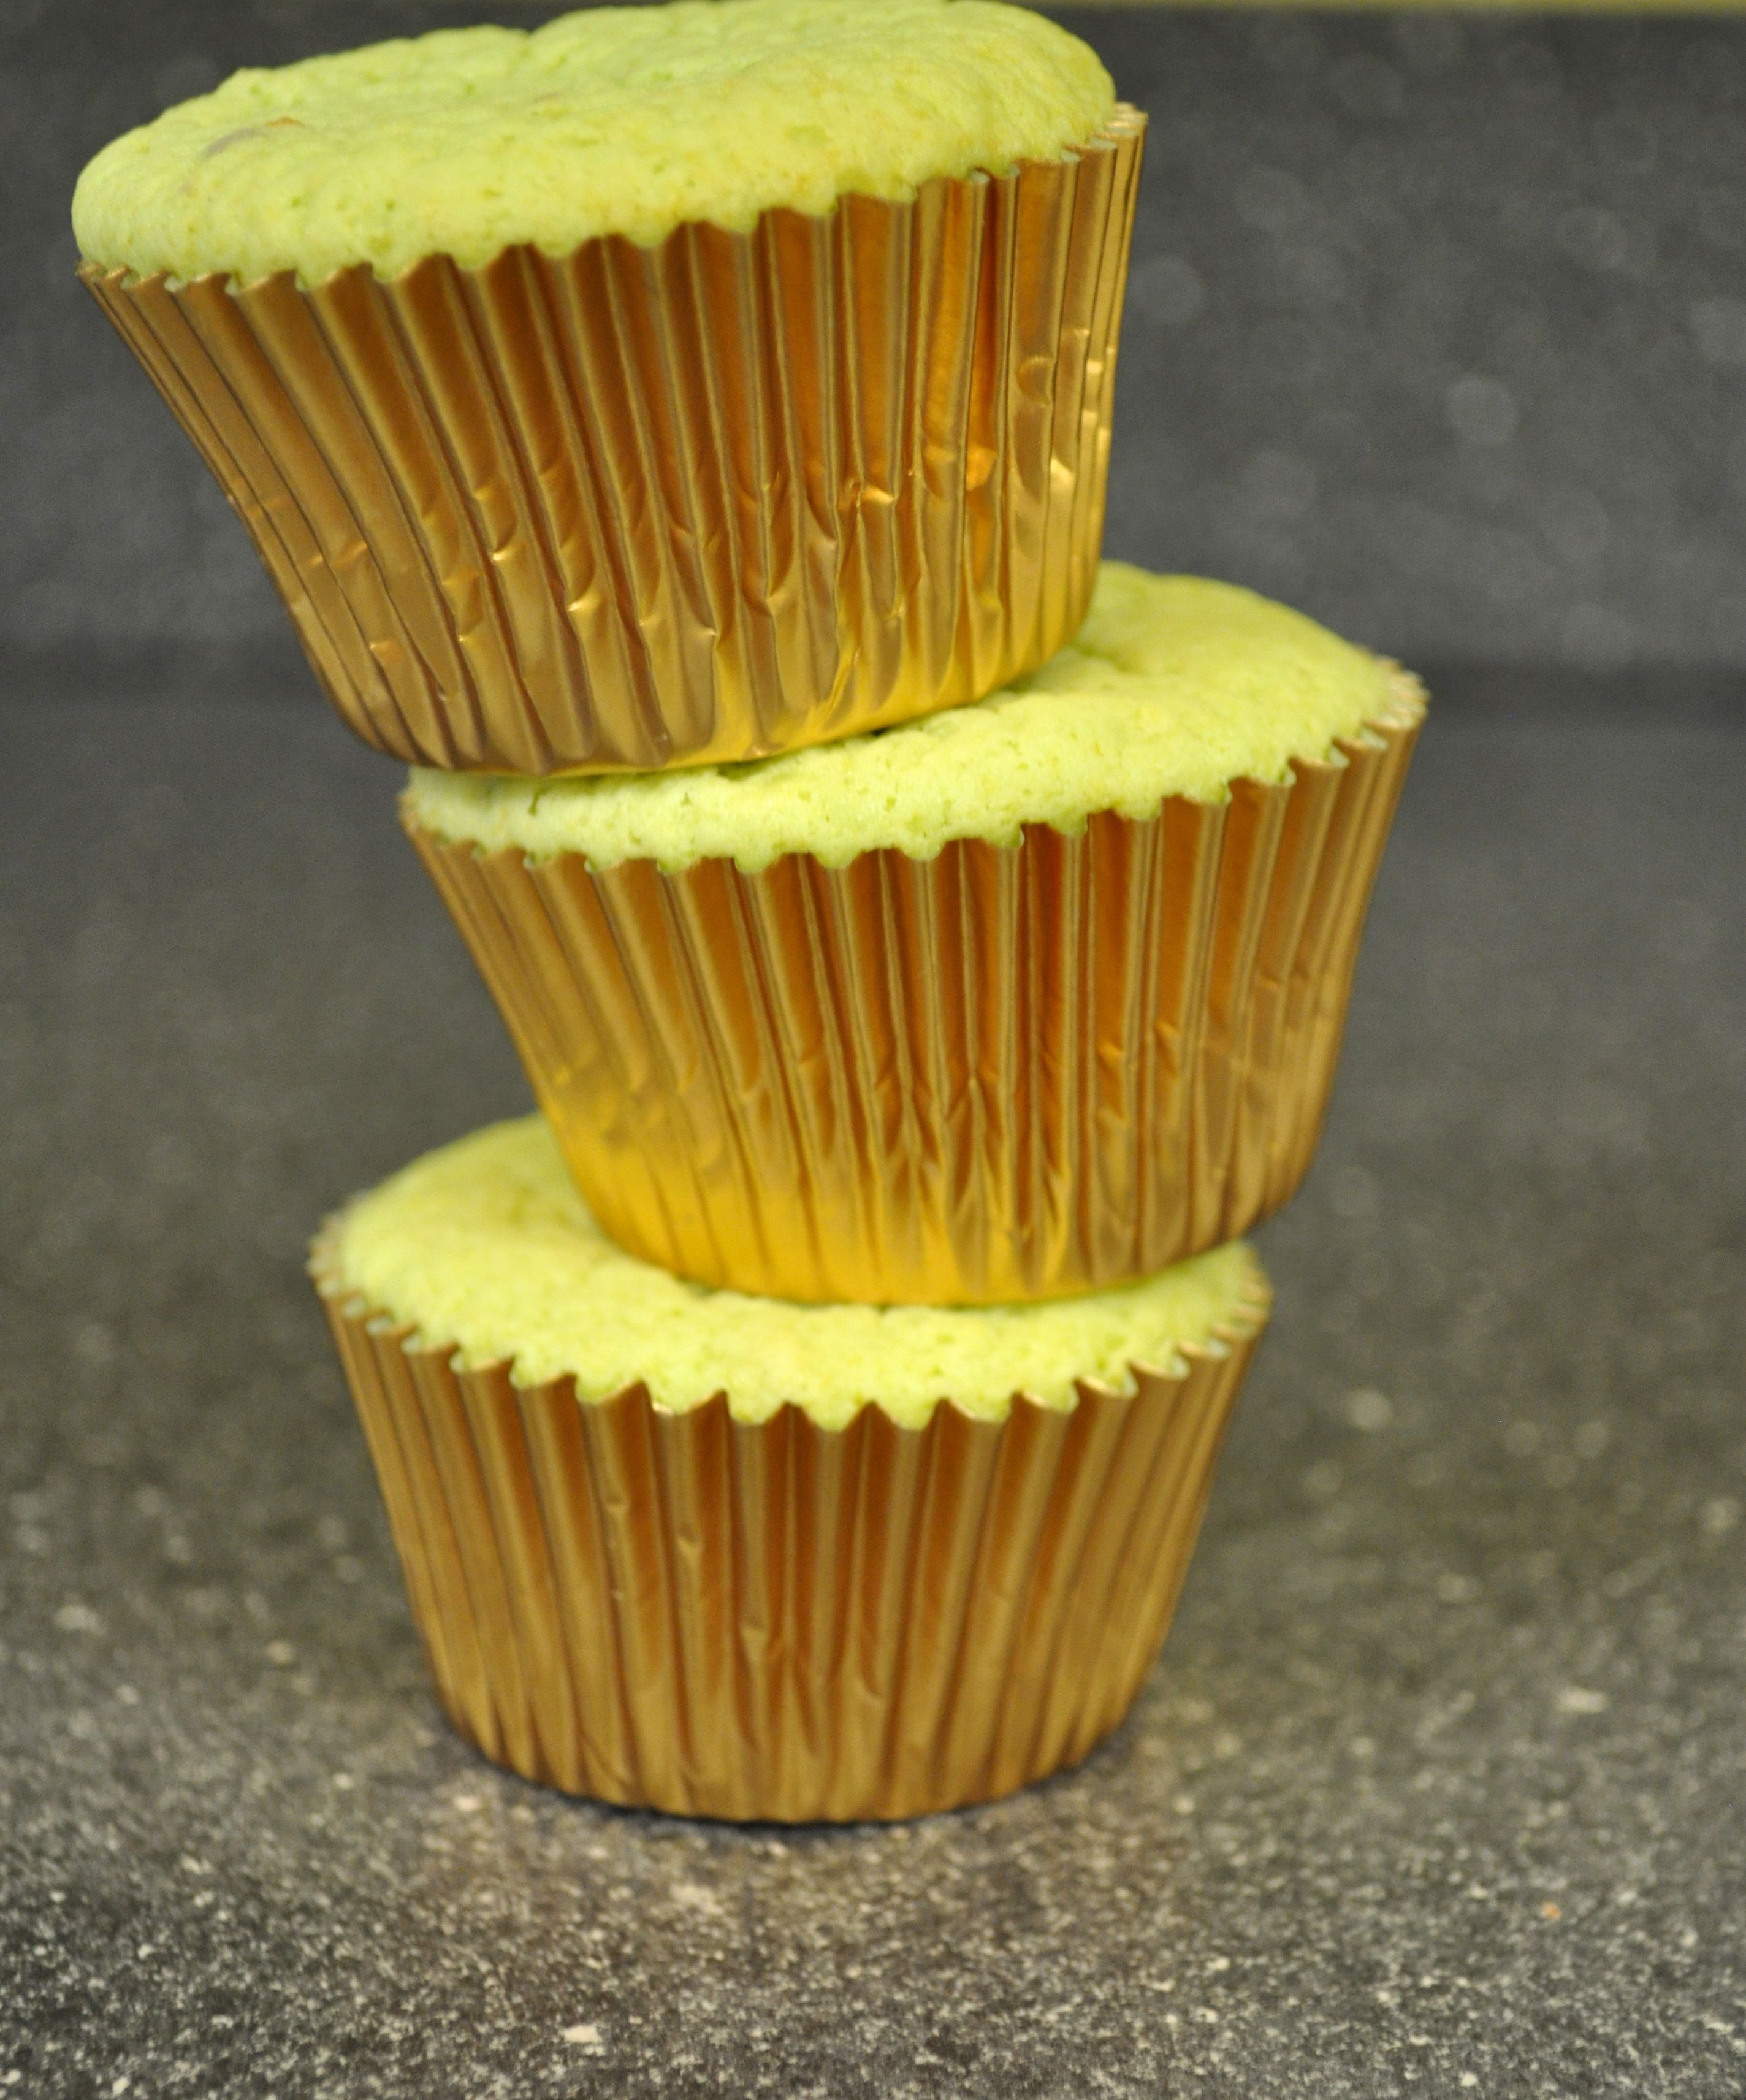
x=776, y=1622
x=1005, y=1072
x=707, y=501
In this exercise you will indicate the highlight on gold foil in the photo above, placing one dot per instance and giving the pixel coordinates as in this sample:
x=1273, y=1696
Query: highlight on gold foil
x=776, y=1622
x=707, y=501
x=1001, y=1073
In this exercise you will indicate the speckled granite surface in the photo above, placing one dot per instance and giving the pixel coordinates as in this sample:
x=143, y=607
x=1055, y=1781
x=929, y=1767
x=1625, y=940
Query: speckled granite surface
x=1440, y=1788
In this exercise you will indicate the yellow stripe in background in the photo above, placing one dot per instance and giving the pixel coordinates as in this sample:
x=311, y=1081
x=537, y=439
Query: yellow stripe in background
x=1523, y=7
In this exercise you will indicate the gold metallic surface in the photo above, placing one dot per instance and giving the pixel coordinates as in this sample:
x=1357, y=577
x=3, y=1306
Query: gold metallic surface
x=652, y=507
x=1002, y=1074
x=780, y=1622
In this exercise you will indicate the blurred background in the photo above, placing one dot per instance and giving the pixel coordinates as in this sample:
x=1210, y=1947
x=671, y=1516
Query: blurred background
x=1437, y=329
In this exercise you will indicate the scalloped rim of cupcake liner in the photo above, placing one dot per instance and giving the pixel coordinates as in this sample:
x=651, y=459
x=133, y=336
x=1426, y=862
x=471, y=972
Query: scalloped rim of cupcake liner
x=635, y=507
x=1003, y=1072
x=773, y=1621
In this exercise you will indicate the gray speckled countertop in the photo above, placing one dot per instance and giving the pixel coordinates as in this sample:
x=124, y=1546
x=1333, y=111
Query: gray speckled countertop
x=1440, y=1788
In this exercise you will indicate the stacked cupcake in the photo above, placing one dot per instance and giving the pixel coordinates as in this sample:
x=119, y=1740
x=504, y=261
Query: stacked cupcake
x=682, y=432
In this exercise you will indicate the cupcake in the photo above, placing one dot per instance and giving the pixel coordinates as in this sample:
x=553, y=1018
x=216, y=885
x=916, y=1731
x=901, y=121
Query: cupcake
x=726, y=1556
x=1033, y=997
x=665, y=385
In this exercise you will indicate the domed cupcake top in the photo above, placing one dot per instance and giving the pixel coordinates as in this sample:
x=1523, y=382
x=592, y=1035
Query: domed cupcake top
x=1175, y=685
x=485, y=1246
x=614, y=119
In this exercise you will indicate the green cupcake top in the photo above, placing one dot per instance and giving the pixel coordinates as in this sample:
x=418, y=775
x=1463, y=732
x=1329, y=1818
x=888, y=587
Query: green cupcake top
x=485, y=1246
x=614, y=120
x=1173, y=686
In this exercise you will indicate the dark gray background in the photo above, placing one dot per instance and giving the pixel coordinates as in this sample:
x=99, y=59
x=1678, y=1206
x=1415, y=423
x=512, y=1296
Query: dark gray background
x=1438, y=328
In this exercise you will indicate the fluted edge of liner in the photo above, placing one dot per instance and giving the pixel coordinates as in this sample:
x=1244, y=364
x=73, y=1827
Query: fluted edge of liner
x=776, y=1622
x=1004, y=1072
x=707, y=501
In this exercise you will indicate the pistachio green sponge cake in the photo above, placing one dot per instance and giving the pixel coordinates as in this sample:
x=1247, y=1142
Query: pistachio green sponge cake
x=1173, y=686
x=1029, y=998
x=486, y=1247
x=939, y=1572
x=638, y=391
x=613, y=120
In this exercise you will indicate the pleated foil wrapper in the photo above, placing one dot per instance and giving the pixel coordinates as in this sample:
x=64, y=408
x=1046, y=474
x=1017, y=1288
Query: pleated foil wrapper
x=710, y=500
x=1006, y=1073
x=777, y=1622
